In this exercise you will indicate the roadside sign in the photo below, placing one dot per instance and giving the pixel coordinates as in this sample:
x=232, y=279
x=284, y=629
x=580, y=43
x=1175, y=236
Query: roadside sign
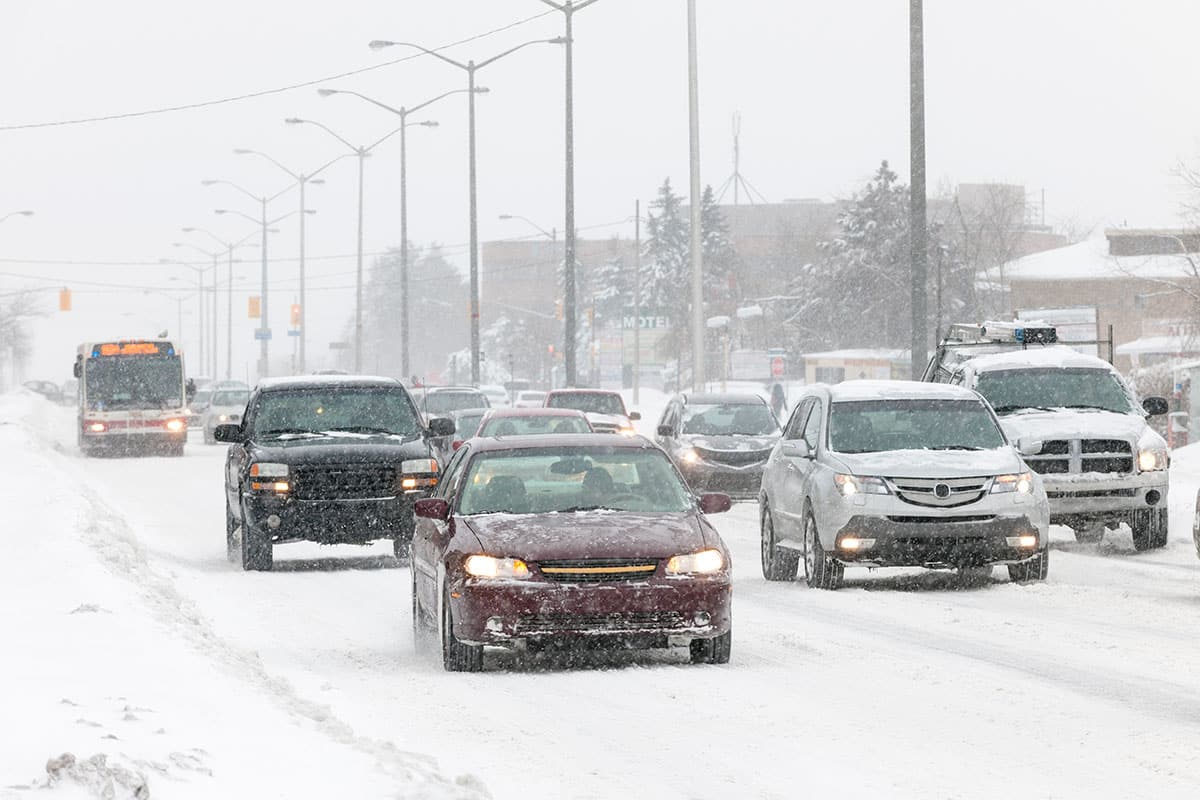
x=339, y=345
x=293, y=332
x=261, y=334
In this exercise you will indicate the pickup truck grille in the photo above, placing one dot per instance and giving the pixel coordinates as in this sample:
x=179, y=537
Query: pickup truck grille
x=344, y=482
x=939, y=492
x=1074, y=456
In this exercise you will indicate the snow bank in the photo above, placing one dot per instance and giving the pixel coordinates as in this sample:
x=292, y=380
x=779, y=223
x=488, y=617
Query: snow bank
x=113, y=684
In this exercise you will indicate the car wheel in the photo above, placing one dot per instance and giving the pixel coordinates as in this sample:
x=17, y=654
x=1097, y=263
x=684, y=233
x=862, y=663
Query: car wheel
x=231, y=539
x=1149, y=527
x=419, y=622
x=820, y=571
x=456, y=656
x=1035, y=569
x=777, y=564
x=712, y=651
x=258, y=554
x=1090, y=533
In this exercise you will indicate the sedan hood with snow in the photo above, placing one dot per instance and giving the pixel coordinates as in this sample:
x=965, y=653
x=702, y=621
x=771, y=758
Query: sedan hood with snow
x=588, y=534
x=932, y=463
x=1072, y=424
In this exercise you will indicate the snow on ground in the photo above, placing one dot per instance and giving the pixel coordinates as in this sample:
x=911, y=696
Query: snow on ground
x=108, y=664
x=306, y=680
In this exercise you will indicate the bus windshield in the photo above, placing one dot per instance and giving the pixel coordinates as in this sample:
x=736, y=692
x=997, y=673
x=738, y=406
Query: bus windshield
x=114, y=383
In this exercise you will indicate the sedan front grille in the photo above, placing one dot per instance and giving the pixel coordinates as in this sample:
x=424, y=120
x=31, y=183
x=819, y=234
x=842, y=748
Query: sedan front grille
x=607, y=570
x=344, y=482
x=617, y=622
x=939, y=492
x=733, y=458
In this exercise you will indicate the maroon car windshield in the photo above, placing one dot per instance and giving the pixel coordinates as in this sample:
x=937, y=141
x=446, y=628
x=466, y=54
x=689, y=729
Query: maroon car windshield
x=525, y=425
x=588, y=402
x=545, y=480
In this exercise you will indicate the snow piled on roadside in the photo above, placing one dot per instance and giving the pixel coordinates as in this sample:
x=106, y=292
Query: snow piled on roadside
x=113, y=683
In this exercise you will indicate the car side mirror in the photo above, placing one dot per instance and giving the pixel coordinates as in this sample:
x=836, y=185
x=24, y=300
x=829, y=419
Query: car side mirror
x=190, y=389
x=666, y=430
x=634, y=416
x=432, y=508
x=796, y=448
x=229, y=434
x=1029, y=447
x=715, y=503
x=78, y=370
x=1156, y=406
x=441, y=426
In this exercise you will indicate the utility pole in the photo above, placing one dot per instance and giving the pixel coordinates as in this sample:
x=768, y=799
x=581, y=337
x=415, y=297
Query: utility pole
x=917, y=218
x=637, y=298
x=264, y=368
x=697, y=200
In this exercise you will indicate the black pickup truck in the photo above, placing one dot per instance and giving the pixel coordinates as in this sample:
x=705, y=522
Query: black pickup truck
x=327, y=459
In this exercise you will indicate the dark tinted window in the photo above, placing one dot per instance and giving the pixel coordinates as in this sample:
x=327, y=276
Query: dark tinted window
x=594, y=402
x=1015, y=389
x=348, y=409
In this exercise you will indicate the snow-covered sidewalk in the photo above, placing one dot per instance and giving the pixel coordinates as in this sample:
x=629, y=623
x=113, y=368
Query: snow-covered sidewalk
x=109, y=672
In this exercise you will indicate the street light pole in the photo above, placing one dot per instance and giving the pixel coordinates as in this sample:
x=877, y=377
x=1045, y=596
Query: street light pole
x=916, y=204
x=228, y=247
x=25, y=213
x=697, y=201
x=570, y=316
x=470, y=67
x=403, y=112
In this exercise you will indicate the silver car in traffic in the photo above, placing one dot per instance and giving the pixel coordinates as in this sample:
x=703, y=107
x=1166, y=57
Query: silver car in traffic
x=899, y=473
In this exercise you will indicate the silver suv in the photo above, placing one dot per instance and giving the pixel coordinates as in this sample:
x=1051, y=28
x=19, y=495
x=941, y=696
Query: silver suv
x=899, y=473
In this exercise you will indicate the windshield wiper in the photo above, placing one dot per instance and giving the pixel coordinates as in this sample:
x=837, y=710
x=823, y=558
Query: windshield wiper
x=1011, y=408
x=955, y=447
x=289, y=432
x=1093, y=407
x=573, y=509
x=362, y=429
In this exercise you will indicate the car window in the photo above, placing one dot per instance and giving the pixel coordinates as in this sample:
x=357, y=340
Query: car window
x=812, y=427
x=367, y=409
x=729, y=419
x=445, y=402
x=546, y=480
x=446, y=487
x=1016, y=389
x=872, y=426
x=588, y=402
x=795, y=426
x=527, y=425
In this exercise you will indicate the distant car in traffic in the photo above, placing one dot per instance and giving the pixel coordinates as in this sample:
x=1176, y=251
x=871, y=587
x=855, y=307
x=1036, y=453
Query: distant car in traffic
x=899, y=473
x=440, y=401
x=592, y=540
x=225, y=407
x=47, y=389
x=532, y=422
x=605, y=410
x=466, y=422
x=497, y=395
x=720, y=442
x=529, y=398
x=327, y=459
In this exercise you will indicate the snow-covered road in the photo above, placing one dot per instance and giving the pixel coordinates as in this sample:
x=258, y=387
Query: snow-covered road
x=903, y=684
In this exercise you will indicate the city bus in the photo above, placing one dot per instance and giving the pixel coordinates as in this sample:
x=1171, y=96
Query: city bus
x=133, y=397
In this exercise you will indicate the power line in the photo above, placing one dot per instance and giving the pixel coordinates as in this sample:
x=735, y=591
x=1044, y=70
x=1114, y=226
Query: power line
x=265, y=92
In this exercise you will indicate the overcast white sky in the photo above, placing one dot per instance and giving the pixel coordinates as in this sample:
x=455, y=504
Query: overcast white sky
x=1092, y=100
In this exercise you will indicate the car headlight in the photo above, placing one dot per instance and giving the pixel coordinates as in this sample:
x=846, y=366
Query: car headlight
x=176, y=425
x=850, y=485
x=266, y=469
x=223, y=418
x=627, y=430
x=479, y=566
x=1021, y=483
x=689, y=455
x=1152, y=460
x=706, y=562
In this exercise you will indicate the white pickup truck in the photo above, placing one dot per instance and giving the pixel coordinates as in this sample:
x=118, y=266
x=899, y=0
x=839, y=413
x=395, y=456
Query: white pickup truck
x=1101, y=464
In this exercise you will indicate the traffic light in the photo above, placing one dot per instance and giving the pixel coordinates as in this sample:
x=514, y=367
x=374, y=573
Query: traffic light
x=64, y=299
x=254, y=308
x=295, y=315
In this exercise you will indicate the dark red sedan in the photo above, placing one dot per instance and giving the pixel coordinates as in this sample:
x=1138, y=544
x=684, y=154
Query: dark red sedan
x=533, y=541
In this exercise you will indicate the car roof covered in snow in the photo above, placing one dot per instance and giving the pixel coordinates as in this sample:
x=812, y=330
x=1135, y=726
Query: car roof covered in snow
x=1051, y=357
x=854, y=391
x=724, y=399
x=567, y=441
x=326, y=382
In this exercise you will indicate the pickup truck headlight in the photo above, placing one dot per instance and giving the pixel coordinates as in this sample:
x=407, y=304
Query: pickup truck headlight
x=1153, y=460
x=850, y=485
x=706, y=562
x=418, y=473
x=266, y=469
x=1021, y=483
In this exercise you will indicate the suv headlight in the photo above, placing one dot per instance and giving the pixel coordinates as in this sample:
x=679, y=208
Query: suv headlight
x=1021, y=483
x=850, y=485
x=706, y=562
x=1153, y=460
x=480, y=566
x=689, y=455
x=266, y=469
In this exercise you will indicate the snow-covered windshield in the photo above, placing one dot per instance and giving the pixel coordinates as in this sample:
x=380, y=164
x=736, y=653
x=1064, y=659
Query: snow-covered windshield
x=732, y=419
x=589, y=402
x=133, y=382
x=540, y=481
x=350, y=409
x=520, y=426
x=1017, y=389
x=877, y=425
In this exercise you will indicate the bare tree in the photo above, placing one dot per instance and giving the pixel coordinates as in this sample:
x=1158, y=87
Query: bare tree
x=16, y=310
